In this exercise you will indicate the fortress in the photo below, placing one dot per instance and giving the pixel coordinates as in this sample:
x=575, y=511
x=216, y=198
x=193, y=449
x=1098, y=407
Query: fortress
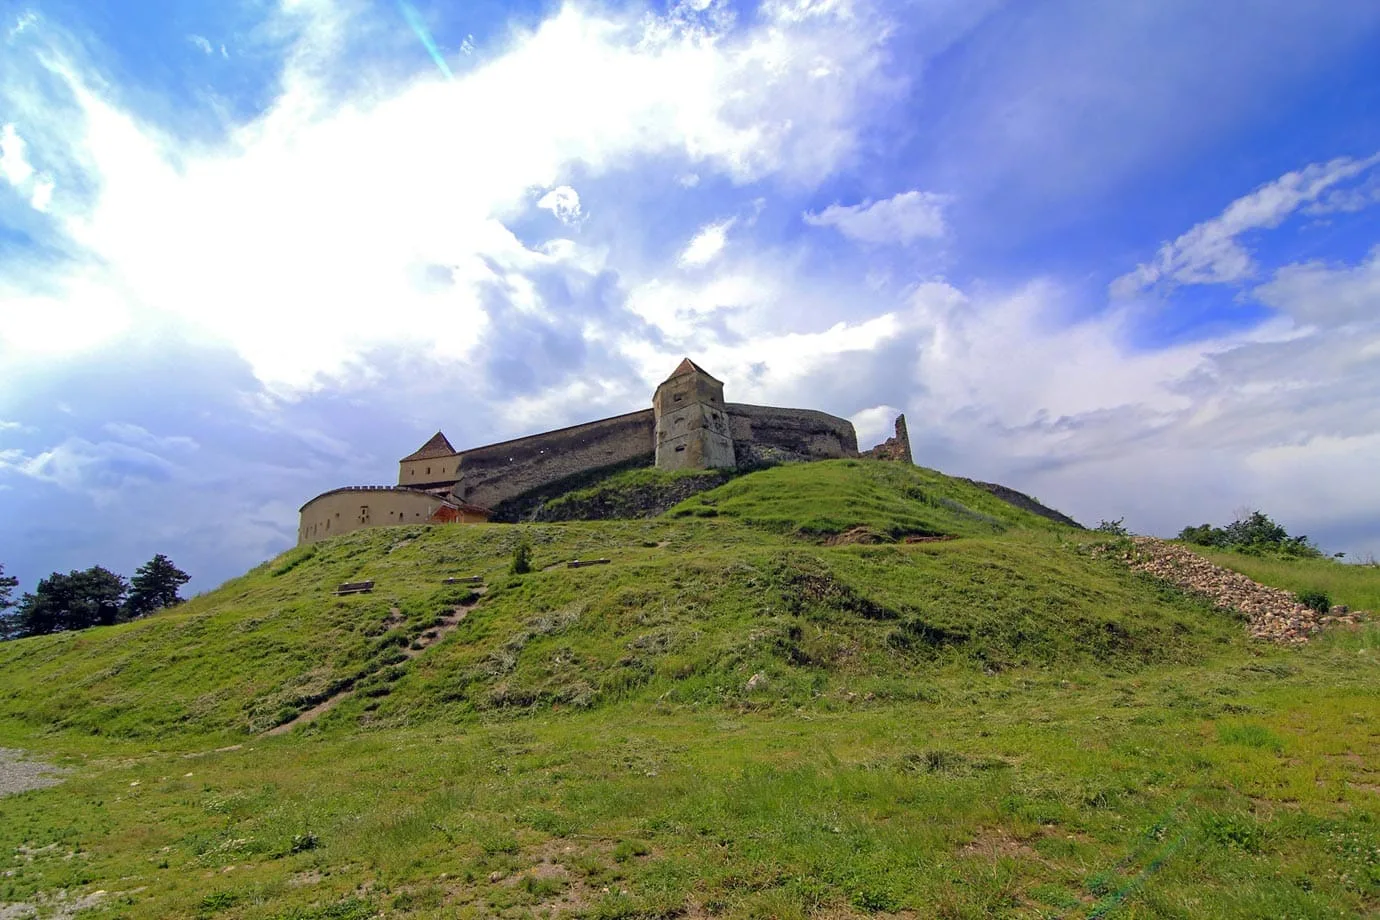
x=689, y=426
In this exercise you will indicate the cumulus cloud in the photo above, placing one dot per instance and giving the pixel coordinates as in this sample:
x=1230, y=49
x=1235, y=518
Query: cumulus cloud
x=903, y=218
x=1212, y=253
x=1315, y=292
x=1167, y=437
x=170, y=231
x=19, y=173
x=705, y=246
x=202, y=43
x=562, y=201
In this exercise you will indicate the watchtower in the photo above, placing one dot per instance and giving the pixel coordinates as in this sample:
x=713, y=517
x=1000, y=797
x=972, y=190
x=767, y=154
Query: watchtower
x=692, y=430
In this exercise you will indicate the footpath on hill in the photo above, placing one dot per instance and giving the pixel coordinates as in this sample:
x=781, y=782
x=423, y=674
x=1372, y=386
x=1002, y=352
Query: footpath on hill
x=1271, y=613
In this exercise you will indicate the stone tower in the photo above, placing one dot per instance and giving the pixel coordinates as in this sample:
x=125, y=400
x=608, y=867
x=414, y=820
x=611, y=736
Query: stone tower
x=691, y=425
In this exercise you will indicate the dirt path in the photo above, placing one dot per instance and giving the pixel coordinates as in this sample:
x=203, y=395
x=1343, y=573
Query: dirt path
x=20, y=775
x=423, y=642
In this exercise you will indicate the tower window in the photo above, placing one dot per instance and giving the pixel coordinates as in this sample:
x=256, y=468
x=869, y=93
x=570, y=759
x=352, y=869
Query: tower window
x=680, y=449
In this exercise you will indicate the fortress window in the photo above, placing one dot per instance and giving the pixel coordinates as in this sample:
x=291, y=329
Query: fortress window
x=677, y=397
x=428, y=471
x=680, y=448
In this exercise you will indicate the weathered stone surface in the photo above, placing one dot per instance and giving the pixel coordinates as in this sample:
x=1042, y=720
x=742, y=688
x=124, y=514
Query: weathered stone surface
x=691, y=424
x=896, y=448
x=640, y=501
x=767, y=434
x=489, y=475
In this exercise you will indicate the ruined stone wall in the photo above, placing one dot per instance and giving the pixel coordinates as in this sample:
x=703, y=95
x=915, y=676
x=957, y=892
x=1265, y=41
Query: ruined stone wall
x=492, y=474
x=894, y=448
x=764, y=434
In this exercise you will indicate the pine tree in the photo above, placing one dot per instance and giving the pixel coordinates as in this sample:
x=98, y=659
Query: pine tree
x=7, y=585
x=76, y=600
x=155, y=585
x=9, y=623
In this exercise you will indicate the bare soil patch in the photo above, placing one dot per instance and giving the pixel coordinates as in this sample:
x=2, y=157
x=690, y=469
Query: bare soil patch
x=18, y=774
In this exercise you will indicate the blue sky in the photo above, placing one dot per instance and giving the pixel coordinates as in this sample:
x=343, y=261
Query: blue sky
x=1121, y=256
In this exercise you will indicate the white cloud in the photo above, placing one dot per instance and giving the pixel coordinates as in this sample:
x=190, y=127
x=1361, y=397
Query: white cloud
x=1211, y=253
x=562, y=201
x=202, y=43
x=290, y=241
x=139, y=436
x=22, y=22
x=18, y=172
x=705, y=246
x=1313, y=292
x=14, y=164
x=903, y=218
x=1279, y=416
x=874, y=425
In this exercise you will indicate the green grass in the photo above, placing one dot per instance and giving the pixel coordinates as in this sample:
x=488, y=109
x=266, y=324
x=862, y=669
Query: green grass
x=730, y=719
x=892, y=500
x=1357, y=586
x=627, y=493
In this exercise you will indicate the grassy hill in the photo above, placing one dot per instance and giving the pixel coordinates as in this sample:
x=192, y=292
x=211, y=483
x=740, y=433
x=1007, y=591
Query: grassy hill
x=766, y=704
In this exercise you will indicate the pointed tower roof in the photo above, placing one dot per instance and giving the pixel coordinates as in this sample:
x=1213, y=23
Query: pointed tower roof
x=686, y=366
x=438, y=446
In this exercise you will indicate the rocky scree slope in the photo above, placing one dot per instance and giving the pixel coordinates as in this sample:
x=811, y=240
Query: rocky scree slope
x=1271, y=613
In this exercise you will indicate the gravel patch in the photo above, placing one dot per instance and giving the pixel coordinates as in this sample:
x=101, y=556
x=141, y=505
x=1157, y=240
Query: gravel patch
x=20, y=775
x=1272, y=614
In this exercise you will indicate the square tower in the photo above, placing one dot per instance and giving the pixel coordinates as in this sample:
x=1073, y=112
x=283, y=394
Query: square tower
x=692, y=430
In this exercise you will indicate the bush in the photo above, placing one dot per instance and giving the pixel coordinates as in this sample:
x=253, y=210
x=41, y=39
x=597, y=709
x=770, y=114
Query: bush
x=1255, y=533
x=1316, y=600
x=522, y=559
x=1116, y=528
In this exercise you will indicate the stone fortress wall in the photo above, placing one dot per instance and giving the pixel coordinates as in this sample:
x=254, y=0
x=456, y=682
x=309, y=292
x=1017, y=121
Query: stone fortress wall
x=497, y=472
x=688, y=427
x=355, y=507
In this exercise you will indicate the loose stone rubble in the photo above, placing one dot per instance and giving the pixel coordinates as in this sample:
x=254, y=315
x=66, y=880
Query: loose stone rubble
x=1272, y=613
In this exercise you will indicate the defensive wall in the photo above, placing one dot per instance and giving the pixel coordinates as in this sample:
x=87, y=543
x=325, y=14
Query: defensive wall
x=688, y=427
x=766, y=433
x=355, y=507
x=499, y=472
x=496, y=472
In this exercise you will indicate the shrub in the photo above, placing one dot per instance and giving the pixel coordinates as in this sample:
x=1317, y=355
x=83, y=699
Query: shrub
x=1254, y=533
x=1116, y=528
x=1316, y=600
x=522, y=559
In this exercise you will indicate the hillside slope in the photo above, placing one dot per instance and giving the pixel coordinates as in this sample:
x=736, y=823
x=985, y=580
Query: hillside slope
x=765, y=704
x=686, y=605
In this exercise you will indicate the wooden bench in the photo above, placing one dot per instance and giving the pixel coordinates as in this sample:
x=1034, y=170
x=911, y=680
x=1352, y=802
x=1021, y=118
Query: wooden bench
x=465, y=580
x=355, y=587
x=580, y=563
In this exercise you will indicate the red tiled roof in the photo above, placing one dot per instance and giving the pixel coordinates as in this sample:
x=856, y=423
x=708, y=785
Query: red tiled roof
x=438, y=446
x=686, y=366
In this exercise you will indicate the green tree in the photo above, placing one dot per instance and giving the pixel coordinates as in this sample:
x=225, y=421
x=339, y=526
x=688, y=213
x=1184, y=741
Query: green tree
x=8, y=622
x=154, y=586
x=1251, y=533
x=77, y=600
x=522, y=558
